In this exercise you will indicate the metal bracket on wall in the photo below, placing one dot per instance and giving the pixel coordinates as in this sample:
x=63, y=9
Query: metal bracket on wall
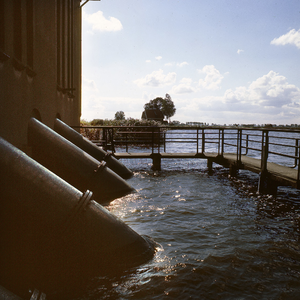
x=87, y=2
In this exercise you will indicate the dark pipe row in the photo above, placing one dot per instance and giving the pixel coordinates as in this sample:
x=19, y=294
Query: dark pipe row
x=90, y=148
x=54, y=233
x=74, y=165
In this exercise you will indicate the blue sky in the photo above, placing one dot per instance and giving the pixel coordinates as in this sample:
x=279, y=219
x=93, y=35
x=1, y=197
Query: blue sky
x=221, y=61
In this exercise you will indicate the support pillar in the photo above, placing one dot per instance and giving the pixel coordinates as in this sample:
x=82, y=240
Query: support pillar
x=156, y=162
x=266, y=185
x=233, y=170
x=209, y=165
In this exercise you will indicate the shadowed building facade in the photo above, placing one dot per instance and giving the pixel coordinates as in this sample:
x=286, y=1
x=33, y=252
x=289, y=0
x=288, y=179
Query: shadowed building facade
x=40, y=65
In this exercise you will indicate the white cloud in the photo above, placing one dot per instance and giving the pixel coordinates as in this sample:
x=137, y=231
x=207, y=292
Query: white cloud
x=271, y=90
x=212, y=79
x=157, y=78
x=292, y=37
x=268, y=99
x=92, y=107
x=88, y=84
x=97, y=107
x=240, y=51
x=182, y=64
x=100, y=23
x=236, y=96
x=158, y=57
x=184, y=87
x=148, y=61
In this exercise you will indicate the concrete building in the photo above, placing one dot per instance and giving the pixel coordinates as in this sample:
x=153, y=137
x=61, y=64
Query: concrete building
x=40, y=65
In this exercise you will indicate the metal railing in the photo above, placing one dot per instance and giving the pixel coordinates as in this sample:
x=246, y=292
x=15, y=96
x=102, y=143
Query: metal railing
x=273, y=145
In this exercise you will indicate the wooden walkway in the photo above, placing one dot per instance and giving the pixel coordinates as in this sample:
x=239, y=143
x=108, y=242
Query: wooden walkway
x=162, y=155
x=278, y=174
x=233, y=147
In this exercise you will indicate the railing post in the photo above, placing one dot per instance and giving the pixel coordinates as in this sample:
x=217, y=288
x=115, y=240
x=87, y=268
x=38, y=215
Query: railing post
x=240, y=146
x=158, y=141
x=238, y=149
x=105, y=138
x=265, y=185
x=298, y=174
x=264, y=151
x=112, y=141
x=126, y=139
x=223, y=142
x=219, y=141
x=152, y=139
x=247, y=144
x=197, y=140
x=237, y=146
x=203, y=141
x=164, y=142
x=296, y=153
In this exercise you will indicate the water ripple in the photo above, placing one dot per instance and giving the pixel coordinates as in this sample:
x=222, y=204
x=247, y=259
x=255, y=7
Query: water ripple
x=218, y=238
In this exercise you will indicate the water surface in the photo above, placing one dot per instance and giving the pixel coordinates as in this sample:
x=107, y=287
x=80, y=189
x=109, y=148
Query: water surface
x=217, y=238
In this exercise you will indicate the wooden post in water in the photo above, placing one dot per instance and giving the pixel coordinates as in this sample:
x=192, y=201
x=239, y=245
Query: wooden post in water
x=233, y=170
x=209, y=165
x=263, y=176
x=156, y=161
x=265, y=184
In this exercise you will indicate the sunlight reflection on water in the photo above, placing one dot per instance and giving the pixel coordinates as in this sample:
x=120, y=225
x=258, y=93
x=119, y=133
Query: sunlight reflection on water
x=217, y=238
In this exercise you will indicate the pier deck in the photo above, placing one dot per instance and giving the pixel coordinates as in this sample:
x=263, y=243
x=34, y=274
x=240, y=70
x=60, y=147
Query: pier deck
x=162, y=155
x=280, y=174
x=272, y=153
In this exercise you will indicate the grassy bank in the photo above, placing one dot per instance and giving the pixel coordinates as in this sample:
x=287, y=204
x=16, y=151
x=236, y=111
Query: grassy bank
x=95, y=134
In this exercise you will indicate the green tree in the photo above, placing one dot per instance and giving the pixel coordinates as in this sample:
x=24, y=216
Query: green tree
x=166, y=105
x=96, y=122
x=120, y=115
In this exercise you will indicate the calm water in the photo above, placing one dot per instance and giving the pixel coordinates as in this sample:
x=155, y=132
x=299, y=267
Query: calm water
x=218, y=238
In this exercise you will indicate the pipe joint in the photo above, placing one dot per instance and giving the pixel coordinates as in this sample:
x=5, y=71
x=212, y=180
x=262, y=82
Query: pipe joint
x=100, y=167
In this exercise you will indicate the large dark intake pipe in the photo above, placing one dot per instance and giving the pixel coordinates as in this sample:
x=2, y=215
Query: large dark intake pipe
x=52, y=235
x=86, y=145
x=74, y=165
x=7, y=295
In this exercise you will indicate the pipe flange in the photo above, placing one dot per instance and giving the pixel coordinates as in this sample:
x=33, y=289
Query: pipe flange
x=78, y=209
x=100, y=167
x=37, y=295
x=107, y=156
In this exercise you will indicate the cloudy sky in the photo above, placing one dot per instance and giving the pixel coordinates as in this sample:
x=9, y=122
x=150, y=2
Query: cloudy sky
x=221, y=61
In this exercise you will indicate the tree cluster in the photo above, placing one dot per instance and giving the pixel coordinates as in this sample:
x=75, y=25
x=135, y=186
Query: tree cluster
x=165, y=105
x=120, y=115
